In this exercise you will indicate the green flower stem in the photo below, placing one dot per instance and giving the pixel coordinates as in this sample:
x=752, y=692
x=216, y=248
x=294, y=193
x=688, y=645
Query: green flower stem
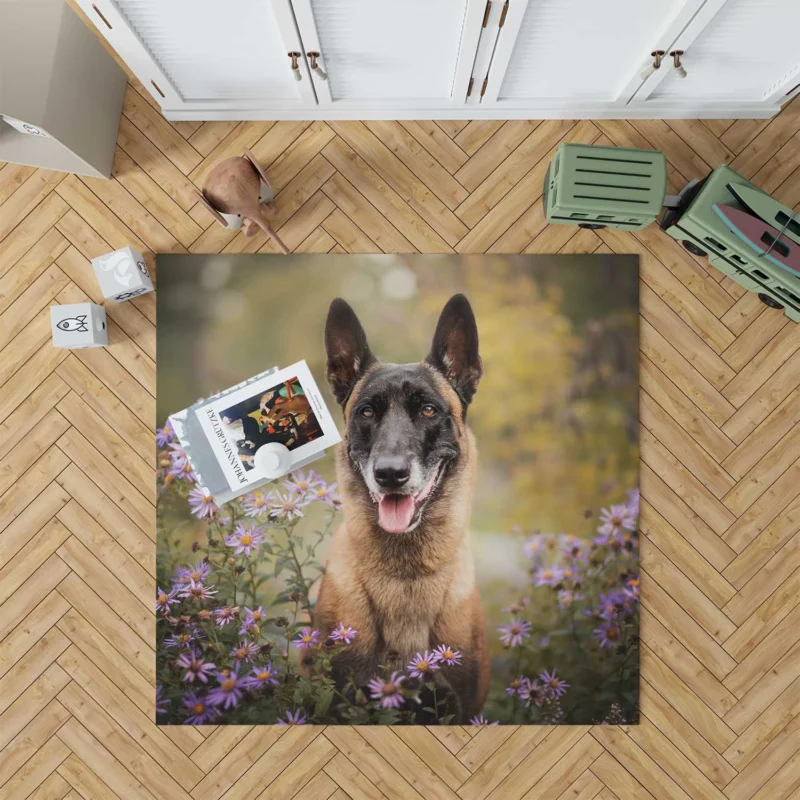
x=298, y=571
x=251, y=569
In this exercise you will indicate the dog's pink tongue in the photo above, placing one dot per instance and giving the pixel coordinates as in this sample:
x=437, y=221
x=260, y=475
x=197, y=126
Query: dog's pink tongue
x=395, y=512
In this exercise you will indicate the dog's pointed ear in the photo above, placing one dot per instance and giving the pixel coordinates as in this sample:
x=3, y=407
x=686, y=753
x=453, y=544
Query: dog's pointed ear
x=348, y=354
x=455, y=348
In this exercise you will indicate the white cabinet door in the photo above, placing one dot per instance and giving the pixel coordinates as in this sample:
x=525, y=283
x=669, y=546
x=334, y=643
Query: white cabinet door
x=386, y=54
x=558, y=54
x=208, y=54
x=734, y=51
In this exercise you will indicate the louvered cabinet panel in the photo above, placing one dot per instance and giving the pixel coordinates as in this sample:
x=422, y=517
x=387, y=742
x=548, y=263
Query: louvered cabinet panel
x=747, y=51
x=212, y=50
x=207, y=53
x=388, y=52
x=580, y=50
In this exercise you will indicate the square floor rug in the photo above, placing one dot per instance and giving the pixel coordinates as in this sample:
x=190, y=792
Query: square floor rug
x=397, y=489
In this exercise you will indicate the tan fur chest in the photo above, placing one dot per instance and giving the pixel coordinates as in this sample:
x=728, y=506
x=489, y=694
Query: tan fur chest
x=407, y=612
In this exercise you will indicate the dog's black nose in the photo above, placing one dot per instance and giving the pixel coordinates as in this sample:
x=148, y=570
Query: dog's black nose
x=391, y=472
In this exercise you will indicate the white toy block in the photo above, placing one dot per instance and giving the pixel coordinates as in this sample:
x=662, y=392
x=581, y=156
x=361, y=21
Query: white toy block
x=79, y=325
x=122, y=274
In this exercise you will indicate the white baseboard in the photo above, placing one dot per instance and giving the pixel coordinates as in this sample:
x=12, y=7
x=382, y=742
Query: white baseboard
x=650, y=111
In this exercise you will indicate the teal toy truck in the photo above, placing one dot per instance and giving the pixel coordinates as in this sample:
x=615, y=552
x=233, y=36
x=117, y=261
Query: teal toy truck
x=612, y=187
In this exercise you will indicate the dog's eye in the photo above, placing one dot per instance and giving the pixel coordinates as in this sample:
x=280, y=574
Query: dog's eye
x=428, y=411
x=367, y=411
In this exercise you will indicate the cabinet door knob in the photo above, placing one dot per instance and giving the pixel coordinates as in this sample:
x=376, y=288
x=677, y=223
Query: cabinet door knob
x=295, y=65
x=657, y=56
x=315, y=68
x=676, y=60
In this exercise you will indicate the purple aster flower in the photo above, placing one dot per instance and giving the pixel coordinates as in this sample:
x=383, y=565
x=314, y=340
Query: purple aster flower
x=515, y=685
x=202, y=505
x=256, y=503
x=287, y=507
x=306, y=638
x=162, y=701
x=423, y=665
x=608, y=538
x=245, y=539
x=518, y=607
x=182, y=471
x=617, y=518
x=514, y=632
x=197, y=592
x=547, y=576
x=608, y=634
x=262, y=676
x=343, y=633
x=479, y=719
x=229, y=692
x=294, y=718
x=200, y=710
x=197, y=573
x=631, y=589
x=446, y=653
x=570, y=572
x=177, y=454
x=165, y=599
x=532, y=691
x=301, y=484
x=196, y=667
x=573, y=548
x=244, y=651
x=606, y=608
x=184, y=639
x=553, y=685
x=389, y=691
x=566, y=597
x=180, y=468
x=225, y=615
x=536, y=547
x=612, y=605
x=164, y=435
x=252, y=619
x=328, y=495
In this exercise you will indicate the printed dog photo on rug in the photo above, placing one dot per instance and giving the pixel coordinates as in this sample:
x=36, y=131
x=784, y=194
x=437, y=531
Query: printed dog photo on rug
x=467, y=555
x=280, y=414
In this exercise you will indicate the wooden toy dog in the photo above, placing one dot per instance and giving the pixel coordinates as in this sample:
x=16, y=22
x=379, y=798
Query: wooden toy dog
x=237, y=193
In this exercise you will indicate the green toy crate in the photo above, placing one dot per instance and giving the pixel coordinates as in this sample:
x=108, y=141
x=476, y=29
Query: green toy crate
x=702, y=232
x=605, y=187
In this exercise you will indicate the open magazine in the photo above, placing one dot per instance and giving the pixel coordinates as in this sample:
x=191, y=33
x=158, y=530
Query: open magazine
x=280, y=408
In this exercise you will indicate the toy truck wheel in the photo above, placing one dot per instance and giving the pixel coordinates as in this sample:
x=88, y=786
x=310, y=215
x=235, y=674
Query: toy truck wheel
x=769, y=301
x=693, y=248
x=592, y=226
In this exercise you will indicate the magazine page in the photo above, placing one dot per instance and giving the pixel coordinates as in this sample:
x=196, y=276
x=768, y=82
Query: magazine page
x=285, y=407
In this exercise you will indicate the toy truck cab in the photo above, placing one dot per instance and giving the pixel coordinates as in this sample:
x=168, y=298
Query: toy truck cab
x=701, y=231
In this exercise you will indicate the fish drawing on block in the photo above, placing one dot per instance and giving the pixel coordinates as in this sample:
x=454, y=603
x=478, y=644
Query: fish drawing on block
x=763, y=238
x=77, y=324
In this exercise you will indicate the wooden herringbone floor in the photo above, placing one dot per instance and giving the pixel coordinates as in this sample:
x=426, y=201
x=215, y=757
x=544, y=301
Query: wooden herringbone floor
x=720, y=470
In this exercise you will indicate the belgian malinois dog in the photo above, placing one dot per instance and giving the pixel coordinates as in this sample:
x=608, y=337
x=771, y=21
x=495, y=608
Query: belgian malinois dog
x=400, y=567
